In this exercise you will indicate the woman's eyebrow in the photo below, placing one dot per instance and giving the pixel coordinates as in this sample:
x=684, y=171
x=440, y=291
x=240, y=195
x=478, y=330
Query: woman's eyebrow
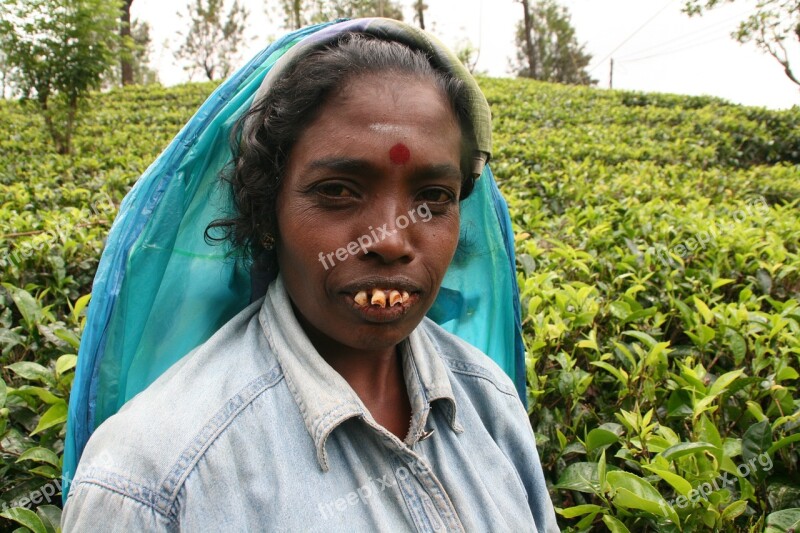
x=361, y=167
x=347, y=165
x=439, y=171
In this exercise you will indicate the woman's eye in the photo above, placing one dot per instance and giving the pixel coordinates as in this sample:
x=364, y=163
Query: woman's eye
x=334, y=190
x=437, y=196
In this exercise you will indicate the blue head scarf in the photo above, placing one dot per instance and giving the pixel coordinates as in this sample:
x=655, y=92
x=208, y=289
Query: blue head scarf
x=161, y=290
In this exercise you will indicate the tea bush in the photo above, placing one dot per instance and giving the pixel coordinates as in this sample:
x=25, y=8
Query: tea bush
x=657, y=243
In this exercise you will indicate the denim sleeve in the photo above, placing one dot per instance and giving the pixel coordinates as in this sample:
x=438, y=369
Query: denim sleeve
x=93, y=507
x=520, y=447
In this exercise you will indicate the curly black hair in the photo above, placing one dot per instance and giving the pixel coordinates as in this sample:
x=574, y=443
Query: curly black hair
x=260, y=153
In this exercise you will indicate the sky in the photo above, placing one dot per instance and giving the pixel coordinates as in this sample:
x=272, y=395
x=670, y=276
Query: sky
x=655, y=47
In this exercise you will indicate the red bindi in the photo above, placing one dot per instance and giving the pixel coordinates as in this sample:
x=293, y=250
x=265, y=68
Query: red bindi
x=399, y=154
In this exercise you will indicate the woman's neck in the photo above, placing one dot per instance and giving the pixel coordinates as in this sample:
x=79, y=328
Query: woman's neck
x=377, y=378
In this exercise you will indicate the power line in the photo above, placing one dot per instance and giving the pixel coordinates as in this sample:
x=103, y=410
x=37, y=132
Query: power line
x=689, y=37
x=629, y=37
x=674, y=51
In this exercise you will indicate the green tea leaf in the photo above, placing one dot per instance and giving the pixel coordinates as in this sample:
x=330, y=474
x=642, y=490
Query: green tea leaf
x=756, y=440
x=31, y=371
x=786, y=374
x=600, y=437
x=68, y=336
x=41, y=455
x=40, y=392
x=754, y=409
x=28, y=306
x=649, y=341
x=620, y=374
x=637, y=315
x=737, y=345
x=705, y=334
x=734, y=510
x=582, y=477
x=620, y=310
x=632, y=492
x=680, y=484
x=51, y=517
x=687, y=448
x=704, y=311
x=679, y=404
x=57, y=414
x=602, y=471
x=721, y=282
x=579, y=510
x=782, y=443
x=723, y=381
x=9, y=339
x=80, y=304
x=614, y=525
x=65, y=363
x=50, y=472
x=785, y=521
x=26, y=518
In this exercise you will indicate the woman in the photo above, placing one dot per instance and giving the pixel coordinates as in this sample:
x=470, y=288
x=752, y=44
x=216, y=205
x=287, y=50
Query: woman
x=332, y=403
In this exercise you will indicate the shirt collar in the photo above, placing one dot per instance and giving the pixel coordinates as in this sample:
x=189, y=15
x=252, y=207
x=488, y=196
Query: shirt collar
x=325, y=399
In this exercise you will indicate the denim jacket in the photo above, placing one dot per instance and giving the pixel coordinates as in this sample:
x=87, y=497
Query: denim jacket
x=254, y=431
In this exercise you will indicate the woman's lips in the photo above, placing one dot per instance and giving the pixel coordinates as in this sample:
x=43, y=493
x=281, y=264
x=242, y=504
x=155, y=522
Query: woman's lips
x=381, y=298
x=376, y=305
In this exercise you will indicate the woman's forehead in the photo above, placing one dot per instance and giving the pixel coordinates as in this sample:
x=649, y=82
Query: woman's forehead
x=383, y=100
x=384, y=106
x=382, y=122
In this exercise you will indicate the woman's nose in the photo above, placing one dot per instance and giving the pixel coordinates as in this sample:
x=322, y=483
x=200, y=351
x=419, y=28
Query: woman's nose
x=392, y=241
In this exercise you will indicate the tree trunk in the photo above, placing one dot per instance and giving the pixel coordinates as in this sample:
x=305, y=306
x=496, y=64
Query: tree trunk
x=296, y=8
x=72, y=111
x=61, y=144
x=420, y=6
x=126, y=61
x=529, y=39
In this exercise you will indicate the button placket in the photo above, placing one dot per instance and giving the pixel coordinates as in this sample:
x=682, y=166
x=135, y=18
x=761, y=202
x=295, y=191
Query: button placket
x=427, y=493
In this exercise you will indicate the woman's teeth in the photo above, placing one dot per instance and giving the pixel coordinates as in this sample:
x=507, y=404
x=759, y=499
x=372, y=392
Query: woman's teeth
x=380, y=296
x=395, y=298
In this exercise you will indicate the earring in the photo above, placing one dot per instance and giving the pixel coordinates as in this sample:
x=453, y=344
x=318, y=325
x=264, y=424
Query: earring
x=268, y=241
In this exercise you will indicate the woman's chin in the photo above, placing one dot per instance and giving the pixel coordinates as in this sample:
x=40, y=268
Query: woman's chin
x=375, y=337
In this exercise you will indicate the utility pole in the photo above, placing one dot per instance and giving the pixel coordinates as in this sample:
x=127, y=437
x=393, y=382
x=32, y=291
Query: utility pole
x=611, y=74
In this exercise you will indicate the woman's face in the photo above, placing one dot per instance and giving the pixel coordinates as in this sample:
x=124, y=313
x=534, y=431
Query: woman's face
x=368, y=211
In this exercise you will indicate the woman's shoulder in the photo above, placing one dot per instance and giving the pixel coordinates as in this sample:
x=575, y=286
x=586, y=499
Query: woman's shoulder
x=466, y=362
x=166, y=427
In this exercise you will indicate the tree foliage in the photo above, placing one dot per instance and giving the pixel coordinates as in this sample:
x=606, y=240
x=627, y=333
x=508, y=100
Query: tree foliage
x=56, y=51
x=547, y=47
x=294, y=13
x=468, y=54
x=299, y=13
x=214, y=37
x=771, y=25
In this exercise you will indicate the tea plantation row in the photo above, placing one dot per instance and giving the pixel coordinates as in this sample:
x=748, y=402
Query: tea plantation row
x=657, y=246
